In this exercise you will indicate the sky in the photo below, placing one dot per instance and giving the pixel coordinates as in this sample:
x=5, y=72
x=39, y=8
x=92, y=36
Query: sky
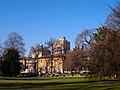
x=38, y=20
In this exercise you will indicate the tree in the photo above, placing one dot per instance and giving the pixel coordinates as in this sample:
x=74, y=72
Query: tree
x=10, y=65
x=113, y=20
x=104, y=55
x=84, y=39
x=34, y=53
x=84, y=42
x=76, y=60
x=68, y=64
x=1, y=49
x=50, y=44
x=35, y=50
x=15, y=41
x=31, y=51
x=100, y=34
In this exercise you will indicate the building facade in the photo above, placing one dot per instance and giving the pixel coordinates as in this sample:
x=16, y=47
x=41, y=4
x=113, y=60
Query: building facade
x=43, y=62
x=50, y=65
x=41, y=51
x=42, y=65
x=61, y=46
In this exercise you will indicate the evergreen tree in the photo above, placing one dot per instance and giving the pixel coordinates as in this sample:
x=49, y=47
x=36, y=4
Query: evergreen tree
x=10, y=65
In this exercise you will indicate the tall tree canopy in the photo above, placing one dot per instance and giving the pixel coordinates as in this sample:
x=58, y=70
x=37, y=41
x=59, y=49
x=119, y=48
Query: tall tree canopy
x=104, y=55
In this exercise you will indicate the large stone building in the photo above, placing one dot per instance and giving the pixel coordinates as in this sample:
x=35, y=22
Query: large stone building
x=43, y=62
x=61, y=46
x=41, y=51
x=50, y=64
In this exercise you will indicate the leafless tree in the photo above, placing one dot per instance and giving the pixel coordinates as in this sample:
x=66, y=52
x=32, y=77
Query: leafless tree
x=68, y=64
x=35, y=51
x=1, y=49
x=104, y=55
x=84, y=39
x=50, y=44
x=15, y=41
x=113, y=20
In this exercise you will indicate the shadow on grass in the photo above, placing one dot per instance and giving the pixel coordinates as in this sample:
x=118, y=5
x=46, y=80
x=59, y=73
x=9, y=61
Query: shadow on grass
x=53, y=84
x=57, y=85
x=50, y=85
x=38, y=78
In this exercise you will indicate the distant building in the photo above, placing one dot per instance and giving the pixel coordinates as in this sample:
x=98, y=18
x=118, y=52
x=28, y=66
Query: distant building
x=42, y=61
x=27, y=65
x=22, y=64
x=43, y=64
x=48, y=65
x=61, y=46
x=43, y=51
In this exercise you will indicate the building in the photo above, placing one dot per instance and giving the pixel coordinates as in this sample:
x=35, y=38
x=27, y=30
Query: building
x=61, y=46
x=27, y=65
x=42, y=65
x=43, y=62
x=41, y=51
x=22, y=64
x=50, y=65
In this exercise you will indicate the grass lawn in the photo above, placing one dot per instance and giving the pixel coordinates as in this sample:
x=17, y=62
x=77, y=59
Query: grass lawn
x=64, y=83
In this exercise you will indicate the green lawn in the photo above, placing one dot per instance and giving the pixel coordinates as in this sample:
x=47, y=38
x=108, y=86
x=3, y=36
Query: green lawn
x=64, y=83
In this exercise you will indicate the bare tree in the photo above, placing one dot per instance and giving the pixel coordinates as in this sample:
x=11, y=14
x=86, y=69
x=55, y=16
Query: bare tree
x=50, y=44
x=15, y=41
x=68, y=65
x=84, y=42
x=35, y=51
x=84, y=39
x=113, y=20
x=104, y=55
x=1, y=49
x=31, y=51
